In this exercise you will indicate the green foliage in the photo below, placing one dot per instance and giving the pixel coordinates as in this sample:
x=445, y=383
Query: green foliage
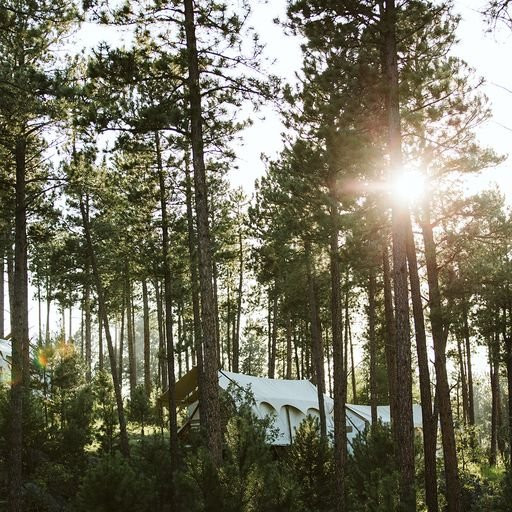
x=140, y=407
x=372, y=472
x=105, y=412
x=249, y=478
x=113, y=484
x=311, y=465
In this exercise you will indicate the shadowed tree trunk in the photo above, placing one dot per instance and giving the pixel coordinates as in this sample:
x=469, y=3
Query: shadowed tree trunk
x=209, y=380
x=439, y=336
x=125, y=449
x=508, y=361
x=2, y=293
x=316, y=338
x=463, y=381
x=289, y=354
x=390, y=345
x=161, y=336
x=100, y=340
x=19, y=331
x=236, y=335
x=403, y=422
x=340, y=376
x=272, y=333
x=130, y=339
x=167, y=301
x=147, y=346
x=372, y=290
x=429, y=433
x=88, y=320
x=121, y=340
x=471, y=399
x=494, y=373
x=192, y=244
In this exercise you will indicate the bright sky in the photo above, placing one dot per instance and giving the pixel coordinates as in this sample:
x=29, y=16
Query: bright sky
x=488, y=53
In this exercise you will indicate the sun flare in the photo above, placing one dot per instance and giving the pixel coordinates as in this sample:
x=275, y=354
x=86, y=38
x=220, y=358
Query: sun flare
x=408, y=185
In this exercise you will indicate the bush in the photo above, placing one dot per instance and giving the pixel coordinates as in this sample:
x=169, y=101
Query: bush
x=311, y=465
x=372, y=473
x=114, y=485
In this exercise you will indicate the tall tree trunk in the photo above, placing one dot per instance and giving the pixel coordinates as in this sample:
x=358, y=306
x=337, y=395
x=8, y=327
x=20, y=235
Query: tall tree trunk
x=403, y=423
x=100, y=341
x=390, y=343
x=2, y=293
x=48, y=306
x=121, y=339
x=340, y=376
x=463, y=381
x=272, y=326
x=228, y=321
x=192, y=251
x=467, y=340
x=494, y=372
x=429, y=434
x=289, y=353
x=210, y=380
x=167, y=295
x=439, y=336
x=161, y=336
x=147, y=346
x=130, y=331
x=316, y=337
x=19, y=331
x=372, y=290
x=236, y=336
x=349, y=341
x=125, y=448
x=508, y=353
x=87, y=321
x=220, y=345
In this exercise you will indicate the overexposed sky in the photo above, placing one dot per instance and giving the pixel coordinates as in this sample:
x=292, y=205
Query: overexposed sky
x=487, y=53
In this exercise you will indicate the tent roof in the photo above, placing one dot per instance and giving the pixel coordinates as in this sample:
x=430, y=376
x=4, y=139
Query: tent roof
x=383, y=413
x=301, y=394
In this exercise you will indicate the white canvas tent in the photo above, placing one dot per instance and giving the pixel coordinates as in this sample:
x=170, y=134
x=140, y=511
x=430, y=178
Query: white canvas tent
x=5, y=361
x=288, y=401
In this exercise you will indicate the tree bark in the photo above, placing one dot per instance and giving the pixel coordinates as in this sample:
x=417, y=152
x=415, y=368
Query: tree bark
x=125, y=448
x=390, y=343
x=439, y=335
x=100, y=341
x=272, y=326
x=463, y=381
x=316, y=338
x=192, y=251
x=161, y=336
x=494, y=373
x=87, y=321
x=210, y=380
x=403, y=423
x=236, y=337
x=147, y=346
x=10, y=282
x=467, y=340
x=121, y=339
x=340, y=377
x=429, y=434
x=19, y=332
x=167, y=300
x=130, y=338
x=2, y=292
x=372, y=290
